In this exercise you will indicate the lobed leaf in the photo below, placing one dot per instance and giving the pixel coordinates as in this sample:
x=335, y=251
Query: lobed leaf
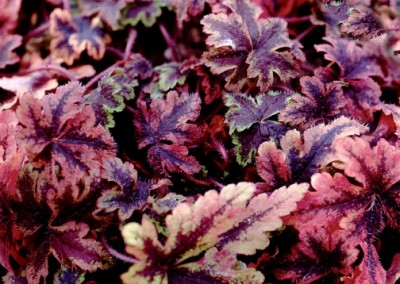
x=320, y=103
x=165, y=127
x=56, y=133
x=129, y=195
x=109, y=10
x=249, y=122
x=145, y=11
x=243, y=47
x=71, y=35
x=109, y=96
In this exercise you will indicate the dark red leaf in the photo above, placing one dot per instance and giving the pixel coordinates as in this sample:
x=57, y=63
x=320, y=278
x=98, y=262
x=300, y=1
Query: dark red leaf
x=56, y=133
x=166, y=128
x=320, y=103
x=243, y=47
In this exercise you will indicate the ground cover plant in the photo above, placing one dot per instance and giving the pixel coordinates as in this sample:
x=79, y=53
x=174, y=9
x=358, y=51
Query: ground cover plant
x=202, y=141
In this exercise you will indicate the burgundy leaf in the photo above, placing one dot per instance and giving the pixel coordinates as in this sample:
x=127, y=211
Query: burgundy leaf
x=361, y=23
x=131, y=194
x=73, y=248
x=244, y=46
x=320, y=103
x=56, y=133
x=165, y=127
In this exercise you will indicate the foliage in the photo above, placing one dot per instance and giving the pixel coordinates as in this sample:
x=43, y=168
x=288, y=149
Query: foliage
x=201, y=141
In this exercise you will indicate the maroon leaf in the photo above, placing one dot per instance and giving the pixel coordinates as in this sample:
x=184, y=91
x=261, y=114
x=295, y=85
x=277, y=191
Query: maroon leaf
x=131, y=194
x=74, y=248
x=7, y=45
x=56, y=133
x=354, y=61
x=361, y=23
x=320, y=103
x=74, y=34
x=244, y=46
x=165, y=127
x=8, y=144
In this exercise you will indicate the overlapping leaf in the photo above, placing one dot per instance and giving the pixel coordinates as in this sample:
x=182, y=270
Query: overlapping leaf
x=224, y=220
x=361, y=23
x=301, y=157
x=359, y=211
x=130, y=194
x=357, y=64
x=170, y=75
x=165, y=127
x=243, y=47
x=320, y=103
x=71, y=35
x=58, y=134
x=250, y=122
x=9, y=15
x=110, y=94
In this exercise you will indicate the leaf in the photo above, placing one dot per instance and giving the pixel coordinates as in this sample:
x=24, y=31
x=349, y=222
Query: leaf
x=130, y=194
x=370, y=270
x=7, y=45
x=71, y=35
x=73, y=249
x=165, y=127
x=145, y=11
x=321, y=252
x=263, y=214
x=109, y=96
x=249, y=122
x=243, y=47
x=362, y=24
x=109, y=10
x=393, y=273
x=224, y=220
x=56, y=133
x=170, y=75
x=301, y=157
x=186, y=9
x=8, y=144
x=320, y=103
x=355, y=61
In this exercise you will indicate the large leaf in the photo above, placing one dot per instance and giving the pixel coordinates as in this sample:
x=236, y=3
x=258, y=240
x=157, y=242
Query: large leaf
x=220, y=219
x=165, y=127
x=243, y=47
x=56, y=133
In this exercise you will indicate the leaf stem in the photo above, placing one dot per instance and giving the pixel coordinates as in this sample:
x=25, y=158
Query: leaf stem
x=117, y=254
x=170, y=42
x=305, y=33
x=102, y=73
x=37, y=31
x=295, y=20
x=115, y=51
x=196, y=181
x=130, y=42
x=66, y=73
